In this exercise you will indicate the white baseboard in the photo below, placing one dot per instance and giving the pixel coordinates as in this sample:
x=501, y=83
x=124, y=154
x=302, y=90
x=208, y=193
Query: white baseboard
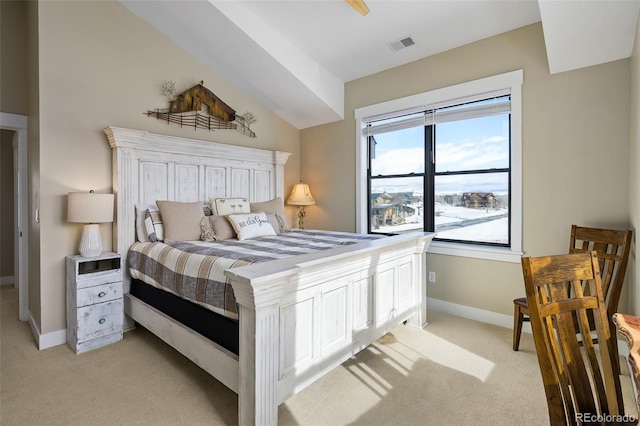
x=494, y=318
x=8, y=280
x=474, y=314
x=48, y=340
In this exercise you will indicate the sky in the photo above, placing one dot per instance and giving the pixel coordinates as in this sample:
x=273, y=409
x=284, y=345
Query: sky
x=479, y=143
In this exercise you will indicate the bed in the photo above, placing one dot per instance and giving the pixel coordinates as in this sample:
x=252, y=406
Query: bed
x=298, y=316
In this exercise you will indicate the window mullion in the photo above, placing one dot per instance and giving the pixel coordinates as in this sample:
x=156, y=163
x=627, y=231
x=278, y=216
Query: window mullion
x=428, y=198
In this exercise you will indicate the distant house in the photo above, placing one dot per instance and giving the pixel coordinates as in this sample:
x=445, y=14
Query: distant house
x=391, y=208
x=479, y=200
x=198, y=96
x=450, y=199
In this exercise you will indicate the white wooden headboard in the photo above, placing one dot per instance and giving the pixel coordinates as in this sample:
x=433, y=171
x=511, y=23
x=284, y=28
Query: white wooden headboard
x=149, y=167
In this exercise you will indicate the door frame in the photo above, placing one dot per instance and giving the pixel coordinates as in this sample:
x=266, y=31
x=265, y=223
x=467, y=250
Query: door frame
x=18, y=124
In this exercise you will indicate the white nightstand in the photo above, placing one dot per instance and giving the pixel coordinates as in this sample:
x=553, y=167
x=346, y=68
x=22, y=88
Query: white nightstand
x=95, y=307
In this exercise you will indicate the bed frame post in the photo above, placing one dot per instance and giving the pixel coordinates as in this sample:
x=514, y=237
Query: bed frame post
x=259, y=352
x=259, y=348
x=257, y=393
x=419, y=320
x=280, y=159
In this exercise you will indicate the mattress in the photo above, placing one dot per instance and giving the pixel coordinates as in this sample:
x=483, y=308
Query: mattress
x=194, y=270
x=215, y=327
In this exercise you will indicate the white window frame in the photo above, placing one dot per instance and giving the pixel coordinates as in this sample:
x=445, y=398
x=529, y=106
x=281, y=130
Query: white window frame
x=513, y=82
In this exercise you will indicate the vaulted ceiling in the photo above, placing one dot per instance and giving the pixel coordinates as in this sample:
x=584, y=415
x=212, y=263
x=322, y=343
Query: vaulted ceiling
x=294, y=56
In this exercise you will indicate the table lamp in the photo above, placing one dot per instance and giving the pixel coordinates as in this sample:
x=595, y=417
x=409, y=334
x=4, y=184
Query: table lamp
x=301, y=196
x=91, y=209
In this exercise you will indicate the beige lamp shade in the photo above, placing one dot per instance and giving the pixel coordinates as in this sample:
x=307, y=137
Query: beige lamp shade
x=89, y=207
x=301, y=196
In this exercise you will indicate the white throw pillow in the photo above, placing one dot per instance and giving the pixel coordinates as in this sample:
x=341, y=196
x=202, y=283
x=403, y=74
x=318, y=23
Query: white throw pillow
x=251, y=225
x=225, y=206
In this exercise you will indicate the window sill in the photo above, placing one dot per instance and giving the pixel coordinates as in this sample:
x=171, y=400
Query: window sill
x=499, y=254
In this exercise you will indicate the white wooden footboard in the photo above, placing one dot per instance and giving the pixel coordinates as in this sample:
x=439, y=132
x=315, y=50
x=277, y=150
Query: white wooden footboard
x=302, y=316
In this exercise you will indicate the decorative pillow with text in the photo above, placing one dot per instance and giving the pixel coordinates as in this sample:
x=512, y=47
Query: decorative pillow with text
x=251, y=225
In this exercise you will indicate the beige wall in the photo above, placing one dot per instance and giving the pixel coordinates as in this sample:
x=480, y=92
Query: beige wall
x=33, y=137
x=575, y=155
x=13, y=67
x=13, y=99
x=634, y=169
x=6, y=204
x=99, y=66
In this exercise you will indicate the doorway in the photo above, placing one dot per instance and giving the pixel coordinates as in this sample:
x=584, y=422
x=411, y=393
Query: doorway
x=18, y=125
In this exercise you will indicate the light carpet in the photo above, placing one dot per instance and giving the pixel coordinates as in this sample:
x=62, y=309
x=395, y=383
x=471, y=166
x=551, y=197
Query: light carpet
x=452, y=372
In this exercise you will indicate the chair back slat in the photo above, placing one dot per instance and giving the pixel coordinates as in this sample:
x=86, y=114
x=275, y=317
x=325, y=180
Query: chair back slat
x=613, y=248
x=566, y=305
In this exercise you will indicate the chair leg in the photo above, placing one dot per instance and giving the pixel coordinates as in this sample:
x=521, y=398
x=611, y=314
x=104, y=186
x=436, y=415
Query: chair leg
x=614, y=349
x=517, y=327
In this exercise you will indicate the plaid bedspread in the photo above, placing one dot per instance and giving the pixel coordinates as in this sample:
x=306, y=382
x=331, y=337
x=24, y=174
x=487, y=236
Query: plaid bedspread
x=195, y=270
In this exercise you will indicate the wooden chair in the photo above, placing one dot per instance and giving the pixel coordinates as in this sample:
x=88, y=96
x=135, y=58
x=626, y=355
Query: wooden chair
x=563, y=293
x=613, y=248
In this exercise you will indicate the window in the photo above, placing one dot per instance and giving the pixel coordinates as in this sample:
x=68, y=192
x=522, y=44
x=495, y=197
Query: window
x=447, y=161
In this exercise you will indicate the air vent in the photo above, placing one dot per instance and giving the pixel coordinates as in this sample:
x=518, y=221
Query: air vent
x=401, y=44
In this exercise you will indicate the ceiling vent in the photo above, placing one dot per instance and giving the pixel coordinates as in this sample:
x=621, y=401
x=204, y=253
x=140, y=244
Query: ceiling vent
x=401, y=44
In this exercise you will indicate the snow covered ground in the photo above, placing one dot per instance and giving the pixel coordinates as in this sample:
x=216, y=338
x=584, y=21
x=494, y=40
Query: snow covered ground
x=493, y=226
x=494, y=231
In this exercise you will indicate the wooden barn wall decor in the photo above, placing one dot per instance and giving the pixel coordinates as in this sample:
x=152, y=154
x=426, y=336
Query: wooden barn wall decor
x=200, y=108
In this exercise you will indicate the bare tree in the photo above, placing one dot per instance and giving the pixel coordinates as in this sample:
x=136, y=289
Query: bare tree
x=249, y=118
x=168, y=89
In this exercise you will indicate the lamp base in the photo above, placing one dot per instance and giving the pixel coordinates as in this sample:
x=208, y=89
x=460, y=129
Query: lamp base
x=301, y=215
x=91, y=242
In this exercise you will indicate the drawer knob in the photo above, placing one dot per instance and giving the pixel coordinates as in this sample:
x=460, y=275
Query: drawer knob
x=102, y=294
x=101, y=320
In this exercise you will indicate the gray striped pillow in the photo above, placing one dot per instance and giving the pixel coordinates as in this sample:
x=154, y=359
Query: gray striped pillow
x=153, y=224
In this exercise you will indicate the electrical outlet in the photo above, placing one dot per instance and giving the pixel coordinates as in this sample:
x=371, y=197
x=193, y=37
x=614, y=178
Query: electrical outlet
x=432, y=277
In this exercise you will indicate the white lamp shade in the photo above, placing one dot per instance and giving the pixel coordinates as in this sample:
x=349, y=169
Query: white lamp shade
x=301, y=196
x=89, y=207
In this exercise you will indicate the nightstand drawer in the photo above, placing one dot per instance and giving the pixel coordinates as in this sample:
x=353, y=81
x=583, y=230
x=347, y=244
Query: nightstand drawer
x=104, y=277
x=98, y=294
x=100, y=320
